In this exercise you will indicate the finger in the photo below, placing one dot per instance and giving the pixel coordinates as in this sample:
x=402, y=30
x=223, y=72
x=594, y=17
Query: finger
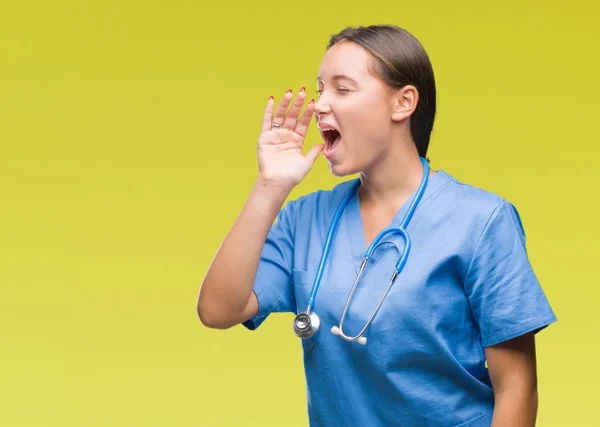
x=304, y=121
x=314, y=152
x=282, y=108
x=266, y=123
x=292, y=116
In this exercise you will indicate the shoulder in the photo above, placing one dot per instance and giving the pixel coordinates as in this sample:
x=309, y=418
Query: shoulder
x=480, y=206
x=477, y=198
x=470, y=198
x=321, y=201
x=312, y=212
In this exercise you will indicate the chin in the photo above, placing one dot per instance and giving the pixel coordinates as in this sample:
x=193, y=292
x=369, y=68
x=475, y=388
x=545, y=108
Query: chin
x=341, y=169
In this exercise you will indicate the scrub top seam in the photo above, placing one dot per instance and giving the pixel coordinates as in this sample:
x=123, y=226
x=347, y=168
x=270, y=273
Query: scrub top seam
x=347, y=228
x=492, y=216
x=429, y=197
x=520, y=330
x=423, y=203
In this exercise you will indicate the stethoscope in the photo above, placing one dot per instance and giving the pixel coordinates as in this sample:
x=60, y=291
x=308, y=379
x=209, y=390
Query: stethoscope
x=307, y=323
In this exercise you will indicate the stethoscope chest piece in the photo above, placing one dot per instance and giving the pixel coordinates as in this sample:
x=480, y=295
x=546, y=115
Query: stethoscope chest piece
x=306, y=324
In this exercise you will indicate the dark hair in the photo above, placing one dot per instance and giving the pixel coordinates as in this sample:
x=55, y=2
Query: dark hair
x=400, y=60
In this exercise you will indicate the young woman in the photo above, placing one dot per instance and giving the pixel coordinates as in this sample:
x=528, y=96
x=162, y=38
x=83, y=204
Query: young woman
x=440, y=327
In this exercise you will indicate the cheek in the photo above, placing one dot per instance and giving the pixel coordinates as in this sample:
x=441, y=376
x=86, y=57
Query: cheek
x=368, y=120
x=362, y=113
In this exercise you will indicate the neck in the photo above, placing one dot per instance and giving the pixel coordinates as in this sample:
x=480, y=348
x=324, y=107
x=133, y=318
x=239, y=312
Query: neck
x=392, y=179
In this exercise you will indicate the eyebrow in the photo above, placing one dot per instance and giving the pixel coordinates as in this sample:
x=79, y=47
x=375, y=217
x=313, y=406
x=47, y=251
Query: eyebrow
x=338, y=77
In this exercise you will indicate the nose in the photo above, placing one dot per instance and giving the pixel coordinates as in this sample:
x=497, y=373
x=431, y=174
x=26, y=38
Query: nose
x=322, y=107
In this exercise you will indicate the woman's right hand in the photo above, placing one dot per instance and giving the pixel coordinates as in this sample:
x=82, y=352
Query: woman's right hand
x=280, y=157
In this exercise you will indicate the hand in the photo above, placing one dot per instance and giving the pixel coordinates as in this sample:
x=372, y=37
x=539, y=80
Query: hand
x=280, y=158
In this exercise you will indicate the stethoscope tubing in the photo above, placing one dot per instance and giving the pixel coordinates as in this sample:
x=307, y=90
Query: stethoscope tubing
x=338, y=330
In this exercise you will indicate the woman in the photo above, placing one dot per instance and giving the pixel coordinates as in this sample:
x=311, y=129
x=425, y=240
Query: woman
x=453, y=341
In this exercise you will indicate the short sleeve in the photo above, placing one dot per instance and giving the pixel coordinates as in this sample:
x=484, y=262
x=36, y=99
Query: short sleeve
x=505, y=296
x=273, y=284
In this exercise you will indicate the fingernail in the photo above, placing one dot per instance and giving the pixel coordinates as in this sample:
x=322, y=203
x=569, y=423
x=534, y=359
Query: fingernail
x=303, y=89
x=312, y=101
x=271, y=97
x=289, y=91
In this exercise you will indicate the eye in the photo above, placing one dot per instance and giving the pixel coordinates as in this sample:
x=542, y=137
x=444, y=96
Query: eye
x=339, y=89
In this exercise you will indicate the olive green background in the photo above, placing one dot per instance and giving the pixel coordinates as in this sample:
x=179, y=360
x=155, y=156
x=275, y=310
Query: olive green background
x=127, y=149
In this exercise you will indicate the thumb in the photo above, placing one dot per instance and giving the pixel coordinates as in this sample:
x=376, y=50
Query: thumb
x=314, y=152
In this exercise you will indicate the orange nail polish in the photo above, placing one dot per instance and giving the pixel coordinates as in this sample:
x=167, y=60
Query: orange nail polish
x=289, y=91
x=303, y=89
x=312, y=101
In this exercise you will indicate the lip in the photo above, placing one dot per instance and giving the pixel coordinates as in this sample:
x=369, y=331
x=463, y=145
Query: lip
x=323, y=125
x=330, y=154
x=326, y=126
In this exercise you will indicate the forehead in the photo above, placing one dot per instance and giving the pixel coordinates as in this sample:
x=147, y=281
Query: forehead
x=345, y=58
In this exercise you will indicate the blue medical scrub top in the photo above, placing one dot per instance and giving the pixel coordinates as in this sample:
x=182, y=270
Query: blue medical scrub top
x=467, y=284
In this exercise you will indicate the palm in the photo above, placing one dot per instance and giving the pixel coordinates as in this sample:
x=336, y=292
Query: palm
x=280, y=157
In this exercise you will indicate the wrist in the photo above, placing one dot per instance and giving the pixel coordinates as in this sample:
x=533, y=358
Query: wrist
x=273, y=186
x=271, y=193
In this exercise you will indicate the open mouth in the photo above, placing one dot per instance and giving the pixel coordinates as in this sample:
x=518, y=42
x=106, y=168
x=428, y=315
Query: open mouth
x=331, y=137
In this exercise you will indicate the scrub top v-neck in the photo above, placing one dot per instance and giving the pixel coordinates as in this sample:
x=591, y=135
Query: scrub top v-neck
x=467, y=284
x=355, y=228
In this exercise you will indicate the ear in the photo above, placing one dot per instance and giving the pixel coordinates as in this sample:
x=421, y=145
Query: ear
x=405, y=102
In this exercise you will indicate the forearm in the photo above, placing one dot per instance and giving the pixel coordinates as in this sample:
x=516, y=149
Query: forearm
x=227, y=286
x=515, y=407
